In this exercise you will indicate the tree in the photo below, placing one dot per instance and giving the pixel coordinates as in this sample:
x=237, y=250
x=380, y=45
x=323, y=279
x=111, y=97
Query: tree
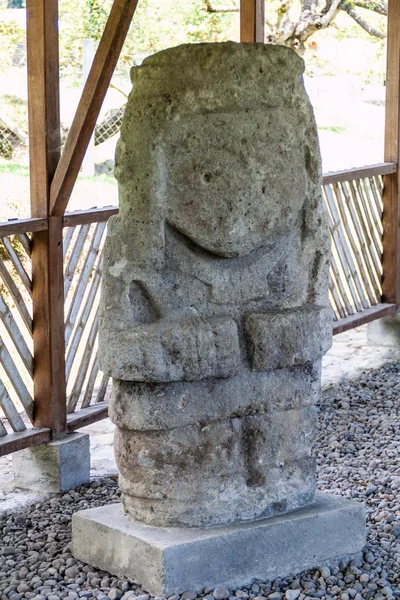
x=294, y=21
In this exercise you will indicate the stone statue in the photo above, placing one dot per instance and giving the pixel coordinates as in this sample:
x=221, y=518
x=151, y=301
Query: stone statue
x=215, y=311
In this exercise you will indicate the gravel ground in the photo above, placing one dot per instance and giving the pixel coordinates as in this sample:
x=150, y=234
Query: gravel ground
x=357, y=455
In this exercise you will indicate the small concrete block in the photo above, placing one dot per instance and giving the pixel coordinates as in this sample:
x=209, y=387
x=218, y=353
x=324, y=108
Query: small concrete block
x=385, y=332
x=171, y=560
x=54, y=467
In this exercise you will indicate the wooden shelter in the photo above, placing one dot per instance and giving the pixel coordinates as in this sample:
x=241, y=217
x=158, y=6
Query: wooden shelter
x=45, y=331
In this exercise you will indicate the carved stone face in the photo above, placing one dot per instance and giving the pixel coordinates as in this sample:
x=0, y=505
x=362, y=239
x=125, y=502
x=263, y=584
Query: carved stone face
x=234, y=182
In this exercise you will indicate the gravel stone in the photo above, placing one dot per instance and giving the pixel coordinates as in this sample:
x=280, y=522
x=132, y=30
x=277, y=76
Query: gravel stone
x=71, y=572
x=292, y=594
x=115, y=594
x=189, y=595
x=220, y=593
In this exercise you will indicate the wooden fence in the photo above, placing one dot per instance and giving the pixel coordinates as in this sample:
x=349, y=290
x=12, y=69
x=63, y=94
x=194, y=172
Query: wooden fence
x=354, y=205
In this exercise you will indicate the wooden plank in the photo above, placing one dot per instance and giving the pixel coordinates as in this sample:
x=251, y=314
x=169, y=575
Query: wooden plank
x=14, y=226
x=105, y=380
x=47, y=248
x=377, y=195
x=366, y=316
x=24, y=439
x=252, y=21
x=75, y=255
x=11, y=413
x=94, y=371
x=362, y=237
x=84, y=365
x=26, y=242
x=84, y=317
x=362, y=279
x=372, y=227
x=67, y=238
x=94, y=215
x=43, y=100
x=16, y=295
x=93, y=94
x=14, y=332
x=374, y=259
x=16, y=380
x=48, y=329
x=336, y=303
x=359, y=172
x=391, y=193
x=342, y=249
x=17, y=264
x=86, y=273
x=3, y=430
x=86, y=416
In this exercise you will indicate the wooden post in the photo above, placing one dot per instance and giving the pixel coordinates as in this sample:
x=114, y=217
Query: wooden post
x=252, y=20
x=47, y=250
x=391, y=195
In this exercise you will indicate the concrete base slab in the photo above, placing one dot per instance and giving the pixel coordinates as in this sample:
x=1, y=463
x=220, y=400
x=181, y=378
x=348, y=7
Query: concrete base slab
x=167, y=561
x=54, y=467
x=385, y=332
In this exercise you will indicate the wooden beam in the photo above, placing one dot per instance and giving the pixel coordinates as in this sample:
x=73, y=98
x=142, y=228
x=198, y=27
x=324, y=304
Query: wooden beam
x=16, y=226
x=252, y=21
x=47, y=254
x=391, y=194
x=13, y=442
x=366, y=316
x=359, y=173
x=90, y=103
x=87, y=416
x=84, y=217
x=43, y=95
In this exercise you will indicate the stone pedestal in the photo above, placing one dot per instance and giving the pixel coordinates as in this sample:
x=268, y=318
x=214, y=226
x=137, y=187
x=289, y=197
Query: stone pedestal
x=385, y=332
x=214, y=319
x=168, y=561
x=54, y=467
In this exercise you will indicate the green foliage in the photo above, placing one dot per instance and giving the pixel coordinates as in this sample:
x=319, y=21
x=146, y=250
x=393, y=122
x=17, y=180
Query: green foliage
x=11, y=34
x=156, y=26
x=96, y=15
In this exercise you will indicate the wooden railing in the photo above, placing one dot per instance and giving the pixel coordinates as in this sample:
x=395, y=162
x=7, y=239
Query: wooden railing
x=354, y=205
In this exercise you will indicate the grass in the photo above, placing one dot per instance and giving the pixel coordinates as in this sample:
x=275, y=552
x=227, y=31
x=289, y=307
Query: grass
x=13, y=168
x=89, y=192
x=334, y=129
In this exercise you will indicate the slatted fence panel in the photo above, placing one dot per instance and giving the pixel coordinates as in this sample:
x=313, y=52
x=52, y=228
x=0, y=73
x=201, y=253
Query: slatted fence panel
x=83, y=257
x=16, y=360
x=355, y=210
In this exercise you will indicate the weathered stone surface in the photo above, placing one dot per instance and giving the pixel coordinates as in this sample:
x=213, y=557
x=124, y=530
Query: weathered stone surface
x=159, y=406
x=236, y=470
x=215, y=312
x=168, y=561
x=188, y=350
x=287, y=339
